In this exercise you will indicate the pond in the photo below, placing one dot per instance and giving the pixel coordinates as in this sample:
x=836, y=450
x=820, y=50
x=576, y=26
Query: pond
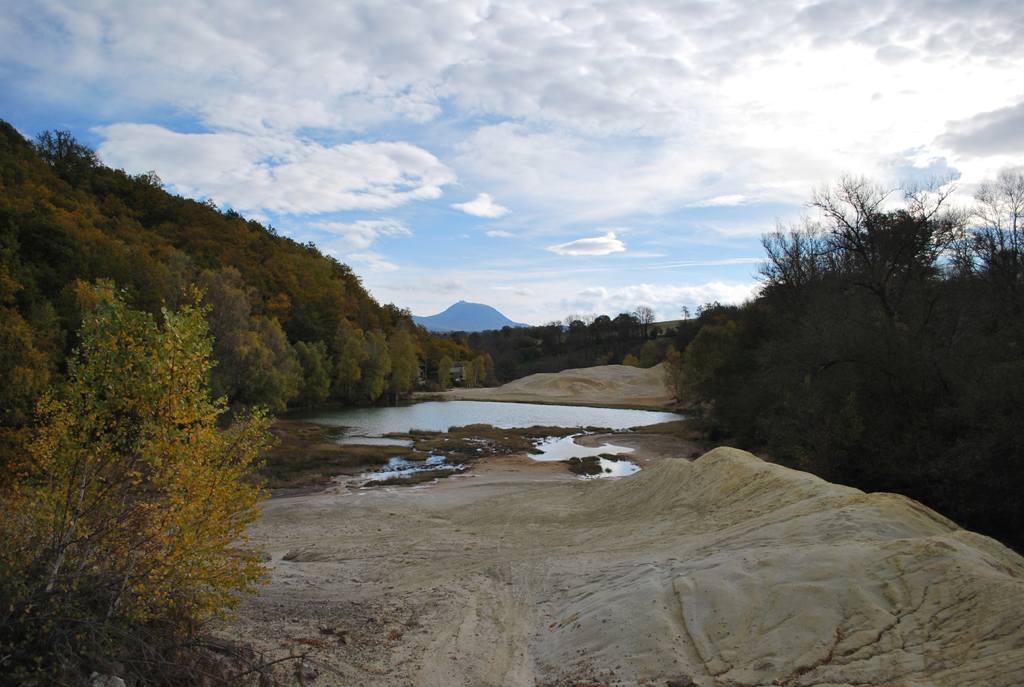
x=440, y=416
x=369, y=425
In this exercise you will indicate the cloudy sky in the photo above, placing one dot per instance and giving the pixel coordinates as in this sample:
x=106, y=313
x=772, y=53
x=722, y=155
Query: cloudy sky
x=545, y=158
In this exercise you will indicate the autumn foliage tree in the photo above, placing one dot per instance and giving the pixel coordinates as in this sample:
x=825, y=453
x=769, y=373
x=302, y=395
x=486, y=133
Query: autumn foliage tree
x=126, y=531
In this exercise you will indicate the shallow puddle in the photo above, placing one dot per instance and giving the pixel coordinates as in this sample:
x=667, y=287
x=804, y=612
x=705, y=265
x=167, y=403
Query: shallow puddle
x=564, y=448
x=399, y=467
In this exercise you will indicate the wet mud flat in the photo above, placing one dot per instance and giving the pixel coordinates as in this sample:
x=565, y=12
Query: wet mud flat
x=309, y=458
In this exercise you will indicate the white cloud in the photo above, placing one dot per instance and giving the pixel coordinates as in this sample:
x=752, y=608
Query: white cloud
x=374, y=261
x=482, y=206
x=359, y=235
x=601, y=245
x=452, y=285
x=605, y=109
x=584, y=113
x=666, y=300
x=517, y=290
x=594, y=292
x=283, y=174
x=500, y=234
x=987, y=133
x=722, y=201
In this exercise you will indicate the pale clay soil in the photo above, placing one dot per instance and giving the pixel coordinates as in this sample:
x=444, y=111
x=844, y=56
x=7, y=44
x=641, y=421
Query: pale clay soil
x=726, y=570
x=608, y=385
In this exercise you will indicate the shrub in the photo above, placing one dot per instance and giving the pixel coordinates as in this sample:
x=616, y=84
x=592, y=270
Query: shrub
x=125, y=533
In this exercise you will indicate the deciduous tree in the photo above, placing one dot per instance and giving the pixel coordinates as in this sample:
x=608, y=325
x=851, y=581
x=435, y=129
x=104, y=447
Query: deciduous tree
x=444, y=369
x=645, y=317
x=127, y=533
x=404, y=364
x=316, y=377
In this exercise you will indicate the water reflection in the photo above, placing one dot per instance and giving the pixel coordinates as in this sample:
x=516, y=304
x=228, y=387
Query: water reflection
x=399, y=467
x=373, y=441
x=564, y=448
x=440, y=416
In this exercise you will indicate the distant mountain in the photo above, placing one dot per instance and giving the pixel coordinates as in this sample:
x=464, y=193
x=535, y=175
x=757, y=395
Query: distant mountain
x=466, y=317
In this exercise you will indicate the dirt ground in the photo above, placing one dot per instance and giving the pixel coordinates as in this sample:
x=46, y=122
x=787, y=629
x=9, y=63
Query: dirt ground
x=607, y=385
x=724, y=571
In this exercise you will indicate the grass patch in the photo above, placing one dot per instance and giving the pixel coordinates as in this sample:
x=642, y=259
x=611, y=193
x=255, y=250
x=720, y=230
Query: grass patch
x=591, y=465
x=683, y=428
x=304, y=456
x=463, y=444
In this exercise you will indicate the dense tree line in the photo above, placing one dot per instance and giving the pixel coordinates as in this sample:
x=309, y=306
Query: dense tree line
x=884, y=351
x=290, y=324
x=579, y=341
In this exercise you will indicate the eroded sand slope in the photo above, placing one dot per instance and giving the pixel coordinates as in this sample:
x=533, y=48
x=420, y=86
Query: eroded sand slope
x=728, y=570
x=602, y=385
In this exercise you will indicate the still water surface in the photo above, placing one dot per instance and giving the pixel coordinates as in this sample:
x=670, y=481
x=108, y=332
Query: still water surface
x=398, y=467
x=564, y=448
x=440, y=416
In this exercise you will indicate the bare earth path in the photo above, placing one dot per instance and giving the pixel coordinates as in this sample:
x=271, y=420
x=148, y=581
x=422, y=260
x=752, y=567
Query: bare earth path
x=726, y=570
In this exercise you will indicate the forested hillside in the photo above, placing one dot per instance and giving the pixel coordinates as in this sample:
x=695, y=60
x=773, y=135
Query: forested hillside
x=630, y=338
x=885, y=350
x=290, y=324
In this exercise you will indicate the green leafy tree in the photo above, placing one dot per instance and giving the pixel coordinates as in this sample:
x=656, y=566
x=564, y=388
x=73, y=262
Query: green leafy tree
x=475, y=371
x=256, y=364
x=404, y=363
x=316, y=377
x=650, y=354
x=275, y=374
x=348, y=369
x=23, y=367
x=375, y=368
x=631, y=361
x=127, y=533
x=490, y=379
x=698, y=383
x=444, y=369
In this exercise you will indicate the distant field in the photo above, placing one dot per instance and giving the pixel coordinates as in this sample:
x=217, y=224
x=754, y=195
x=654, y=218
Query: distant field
x=662, y=327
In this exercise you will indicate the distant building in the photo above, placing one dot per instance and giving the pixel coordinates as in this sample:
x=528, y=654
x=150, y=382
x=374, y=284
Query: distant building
x=458, y=371
x=456, y=374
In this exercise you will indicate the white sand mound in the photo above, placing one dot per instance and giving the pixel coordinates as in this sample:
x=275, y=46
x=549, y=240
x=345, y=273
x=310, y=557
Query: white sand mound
x=728, y=570
x=602, y=385
x=775, y=575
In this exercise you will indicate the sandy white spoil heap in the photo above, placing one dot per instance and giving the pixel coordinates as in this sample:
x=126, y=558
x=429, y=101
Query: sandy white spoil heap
x=603, y=385
x=727, y=570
